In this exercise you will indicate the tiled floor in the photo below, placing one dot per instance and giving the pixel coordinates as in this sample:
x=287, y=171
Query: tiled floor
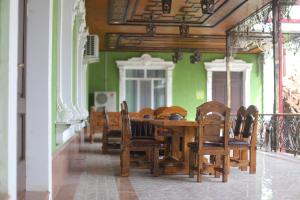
x=96, y=178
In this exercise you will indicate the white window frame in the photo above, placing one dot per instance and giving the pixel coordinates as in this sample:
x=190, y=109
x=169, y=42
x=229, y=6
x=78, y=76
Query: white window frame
x=146, y=62
x=219, y=65
x=145, y=78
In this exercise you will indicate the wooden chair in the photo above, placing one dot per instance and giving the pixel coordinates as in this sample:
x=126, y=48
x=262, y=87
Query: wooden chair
x=146, y=113
x=238, y=125
x=212, y=140
x=158, y=111
x=95, y=123
x=170, y=139
x=111, y=135
x=129, y=143
x=166, y=112
x=245, y=143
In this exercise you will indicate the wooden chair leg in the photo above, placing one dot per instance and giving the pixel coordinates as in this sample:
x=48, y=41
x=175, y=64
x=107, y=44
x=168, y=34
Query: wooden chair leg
x=218, y=163
x=252, y=160
x=235, y=153
x=244, y=157
x=156, y=161
x=225, y=168
x=104, y=143
x=199, y=168
x=125, y=162
x=167, y=151
x=91, y=135
x=191, y=163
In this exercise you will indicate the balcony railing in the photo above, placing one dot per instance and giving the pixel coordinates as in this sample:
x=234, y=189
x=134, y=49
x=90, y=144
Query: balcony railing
x=279, y=132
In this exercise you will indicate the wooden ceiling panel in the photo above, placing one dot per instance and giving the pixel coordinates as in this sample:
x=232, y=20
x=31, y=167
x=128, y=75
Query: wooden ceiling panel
x=121, y=24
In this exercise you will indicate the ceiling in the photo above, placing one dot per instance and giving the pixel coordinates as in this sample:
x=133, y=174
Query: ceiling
x=140, y=25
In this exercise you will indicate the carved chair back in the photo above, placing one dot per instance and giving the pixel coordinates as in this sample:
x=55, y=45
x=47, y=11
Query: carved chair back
x=146, y=113
x=213, y=118
x=167, y=112
x=158, y=111
x=126, y=126
x=239, y=122
x=105, y=120
x=250, y=125
x=135, y=129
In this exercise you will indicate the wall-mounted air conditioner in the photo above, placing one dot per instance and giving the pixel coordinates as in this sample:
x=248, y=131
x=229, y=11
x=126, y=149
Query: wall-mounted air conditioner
x=105, y=99
x=91, y=51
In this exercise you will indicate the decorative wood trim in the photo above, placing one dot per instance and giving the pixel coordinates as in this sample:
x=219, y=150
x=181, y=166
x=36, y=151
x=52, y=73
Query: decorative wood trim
x=219, y=65
x=119, y=14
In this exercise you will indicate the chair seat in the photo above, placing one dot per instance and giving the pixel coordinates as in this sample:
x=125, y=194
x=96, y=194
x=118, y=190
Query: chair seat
x=237, y=142
x=194, y=145
x=145, y=142
x=165, y=133
x=114, y=134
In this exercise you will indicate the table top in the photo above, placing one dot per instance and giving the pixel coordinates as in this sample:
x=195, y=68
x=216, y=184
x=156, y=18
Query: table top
x=166, y=122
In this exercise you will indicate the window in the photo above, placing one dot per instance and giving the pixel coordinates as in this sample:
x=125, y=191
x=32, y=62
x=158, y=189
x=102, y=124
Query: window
x=145, y=88
x=145, y=82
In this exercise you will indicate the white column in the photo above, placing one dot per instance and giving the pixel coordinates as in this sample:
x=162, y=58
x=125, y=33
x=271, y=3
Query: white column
x=84, y=92
x=247, y=85
x=122, y=85
x=64, y=114
x=74, y=46
x=8, y=100
x=38, y=102
x=65, y=111
x=268, y=69
x=169, y=73
x=209, y=86
x=82, y=37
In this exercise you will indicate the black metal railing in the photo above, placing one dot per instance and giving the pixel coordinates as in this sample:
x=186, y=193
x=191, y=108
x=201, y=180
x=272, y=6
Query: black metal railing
x=278, y=132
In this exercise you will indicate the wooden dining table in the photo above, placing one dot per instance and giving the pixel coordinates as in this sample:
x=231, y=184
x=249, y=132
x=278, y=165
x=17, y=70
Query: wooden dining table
x=182, y=132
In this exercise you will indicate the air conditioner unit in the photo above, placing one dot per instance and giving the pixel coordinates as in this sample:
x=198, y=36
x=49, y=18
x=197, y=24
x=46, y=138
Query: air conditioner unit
x=105, y=99
x=91, y=51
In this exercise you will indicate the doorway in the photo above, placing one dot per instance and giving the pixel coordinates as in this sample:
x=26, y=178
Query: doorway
x=220, y=92
x=21, y=101
x=240, y=80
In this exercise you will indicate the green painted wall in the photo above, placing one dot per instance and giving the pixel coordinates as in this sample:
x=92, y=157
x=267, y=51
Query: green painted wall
x=4, y=38
x=55, y=64
x=189, y=80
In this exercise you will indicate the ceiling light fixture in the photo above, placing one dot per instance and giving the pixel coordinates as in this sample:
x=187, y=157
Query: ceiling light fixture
x=207, y=6
x=196, y=57
x=178, y=55
x=184, y=30
x=151, y=28
x=166, y=6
